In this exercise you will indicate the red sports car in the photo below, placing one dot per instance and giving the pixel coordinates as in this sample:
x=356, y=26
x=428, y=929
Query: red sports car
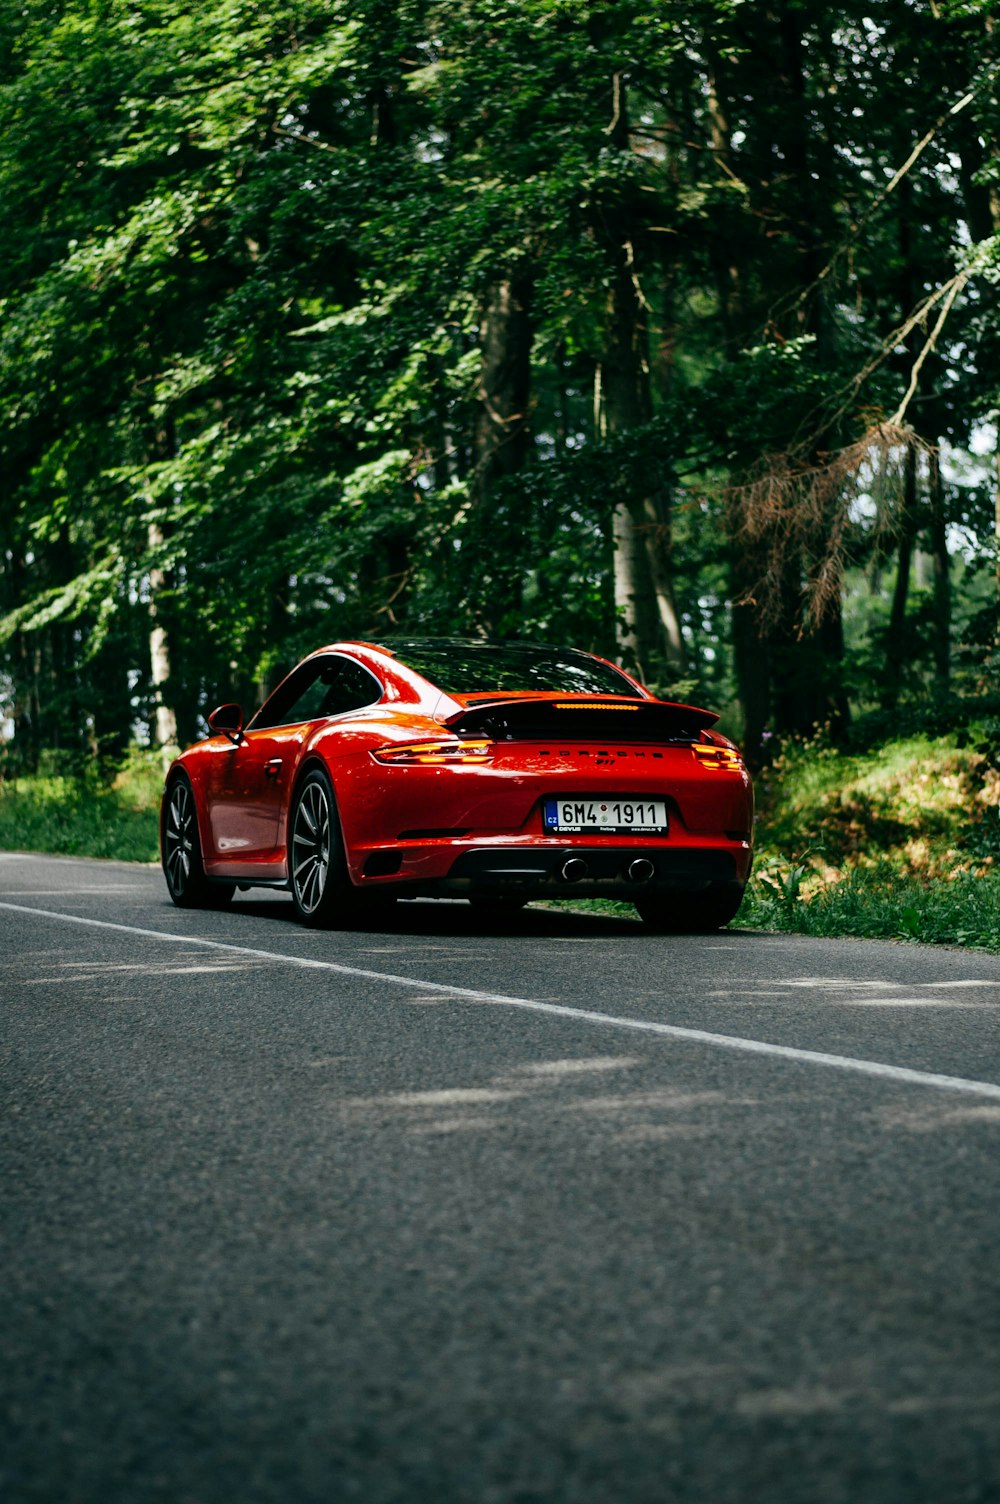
x=494, y=771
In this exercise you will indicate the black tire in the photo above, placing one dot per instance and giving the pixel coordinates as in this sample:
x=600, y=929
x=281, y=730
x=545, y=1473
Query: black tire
x=322, y=892
x=690, y=913
x=183, y=868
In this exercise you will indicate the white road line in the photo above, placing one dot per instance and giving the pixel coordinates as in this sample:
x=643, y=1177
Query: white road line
x=556, y=1010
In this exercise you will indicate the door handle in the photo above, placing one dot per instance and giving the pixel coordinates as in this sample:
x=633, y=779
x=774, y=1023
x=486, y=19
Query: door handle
x=272, y=768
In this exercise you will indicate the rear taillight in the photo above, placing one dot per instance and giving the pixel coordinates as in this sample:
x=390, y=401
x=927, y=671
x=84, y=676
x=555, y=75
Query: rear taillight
x=719, y=759
x=425, y=753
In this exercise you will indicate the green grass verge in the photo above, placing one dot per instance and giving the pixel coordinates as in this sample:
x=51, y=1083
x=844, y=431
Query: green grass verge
x=897, y=843
x=874, y=905
x=880, y=903
x=900, y=843
x=81, y=817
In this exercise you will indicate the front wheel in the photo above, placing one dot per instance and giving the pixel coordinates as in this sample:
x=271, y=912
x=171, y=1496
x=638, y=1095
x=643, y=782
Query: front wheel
x=690, y=913
x=317, y=869
x=183, y=867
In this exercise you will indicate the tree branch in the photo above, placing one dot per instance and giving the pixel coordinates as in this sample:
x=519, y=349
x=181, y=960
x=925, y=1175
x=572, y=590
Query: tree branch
x=893, y=183
x=957, y=284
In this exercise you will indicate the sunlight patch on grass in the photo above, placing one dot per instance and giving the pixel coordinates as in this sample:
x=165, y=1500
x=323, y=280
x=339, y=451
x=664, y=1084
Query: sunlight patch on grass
x=910, y=801
x=69, y=816
x=892, y=844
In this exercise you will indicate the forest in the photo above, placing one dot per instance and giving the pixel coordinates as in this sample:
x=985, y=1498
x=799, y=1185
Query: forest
x=666, y=330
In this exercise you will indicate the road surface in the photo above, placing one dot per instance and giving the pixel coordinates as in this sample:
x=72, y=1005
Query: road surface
x=432, y=1211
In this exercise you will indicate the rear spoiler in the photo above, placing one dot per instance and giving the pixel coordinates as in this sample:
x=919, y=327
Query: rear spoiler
x=535, y=719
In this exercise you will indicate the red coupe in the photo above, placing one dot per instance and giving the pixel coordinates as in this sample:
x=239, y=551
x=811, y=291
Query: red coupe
x=495, y=771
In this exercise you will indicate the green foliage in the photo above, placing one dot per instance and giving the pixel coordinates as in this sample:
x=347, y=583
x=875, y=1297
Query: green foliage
x=244, y=284
x=781, y=881
x=882, y=904
x=81, y=816
x=899, y=842
x=913, y=801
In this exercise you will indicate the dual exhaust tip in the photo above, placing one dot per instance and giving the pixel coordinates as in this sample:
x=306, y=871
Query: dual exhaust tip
x=575, y=869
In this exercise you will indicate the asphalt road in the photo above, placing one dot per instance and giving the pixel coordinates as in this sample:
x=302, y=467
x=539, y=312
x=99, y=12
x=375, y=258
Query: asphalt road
x=430, y=1211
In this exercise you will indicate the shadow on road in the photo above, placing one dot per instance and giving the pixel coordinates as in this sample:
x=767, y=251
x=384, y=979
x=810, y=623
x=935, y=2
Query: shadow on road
x=455, y=917
x=451, y=917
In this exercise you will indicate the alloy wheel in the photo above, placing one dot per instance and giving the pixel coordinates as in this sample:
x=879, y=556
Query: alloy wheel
x=311, y=847
x=179, y=838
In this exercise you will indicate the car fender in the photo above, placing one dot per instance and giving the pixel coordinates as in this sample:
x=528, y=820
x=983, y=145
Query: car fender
x=189, y=767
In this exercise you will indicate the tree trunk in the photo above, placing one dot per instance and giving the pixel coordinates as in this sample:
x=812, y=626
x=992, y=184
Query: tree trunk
x=164, y=718
x=751, y=664
x=649, y=623
x=994, y=214
x=26, y=707
x=502, y=433
x=724, y=248
x=895, y=652
x=996, y=540
x=941, y=577
x=650, y=637
x=501, y=442
x=751, y=654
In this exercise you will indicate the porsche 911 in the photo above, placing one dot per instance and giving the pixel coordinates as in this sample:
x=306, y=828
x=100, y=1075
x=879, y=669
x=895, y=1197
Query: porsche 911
x=500, y=772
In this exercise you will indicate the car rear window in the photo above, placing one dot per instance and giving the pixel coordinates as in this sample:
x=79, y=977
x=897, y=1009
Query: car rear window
x=460, y=667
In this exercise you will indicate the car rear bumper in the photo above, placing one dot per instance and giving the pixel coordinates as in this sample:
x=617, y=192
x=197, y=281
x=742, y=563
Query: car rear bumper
x=562, y=870
x=599, y=871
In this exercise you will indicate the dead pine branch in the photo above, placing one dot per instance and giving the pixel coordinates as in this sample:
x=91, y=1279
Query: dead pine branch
x=794, y=513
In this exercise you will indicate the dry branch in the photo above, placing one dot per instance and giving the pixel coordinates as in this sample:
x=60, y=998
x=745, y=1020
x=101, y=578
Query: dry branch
x=795, y=511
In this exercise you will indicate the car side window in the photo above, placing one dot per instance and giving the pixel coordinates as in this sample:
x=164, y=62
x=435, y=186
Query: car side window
x=327, y=686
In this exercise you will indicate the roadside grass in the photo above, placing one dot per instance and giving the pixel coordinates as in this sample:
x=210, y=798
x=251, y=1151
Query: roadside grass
x=901, y=842
x=73, y=816
x=878, y=902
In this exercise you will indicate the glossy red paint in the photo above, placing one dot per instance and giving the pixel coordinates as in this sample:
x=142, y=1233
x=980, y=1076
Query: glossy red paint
x=438, y=793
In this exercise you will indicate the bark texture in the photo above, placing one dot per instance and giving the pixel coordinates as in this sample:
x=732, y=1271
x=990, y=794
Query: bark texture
x=502, y=427
x=650, y=634
x=164, y=715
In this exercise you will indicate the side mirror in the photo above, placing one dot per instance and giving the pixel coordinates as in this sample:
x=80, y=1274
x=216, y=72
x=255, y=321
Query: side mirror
x=227, y=720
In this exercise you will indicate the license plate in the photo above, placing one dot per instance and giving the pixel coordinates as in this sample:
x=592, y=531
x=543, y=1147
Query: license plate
x=647, y=817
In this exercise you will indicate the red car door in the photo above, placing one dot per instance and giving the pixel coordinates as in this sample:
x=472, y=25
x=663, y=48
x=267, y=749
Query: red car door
x=247, y=786
x=243, y=787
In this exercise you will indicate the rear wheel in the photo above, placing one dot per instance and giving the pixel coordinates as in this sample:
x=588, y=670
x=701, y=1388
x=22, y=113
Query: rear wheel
x=183, y=867
x=690, y=913
x=321, y=889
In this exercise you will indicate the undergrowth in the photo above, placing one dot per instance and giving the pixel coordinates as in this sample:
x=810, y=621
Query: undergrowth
x=878, y=902
x=900, y=842
x=85, y=816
